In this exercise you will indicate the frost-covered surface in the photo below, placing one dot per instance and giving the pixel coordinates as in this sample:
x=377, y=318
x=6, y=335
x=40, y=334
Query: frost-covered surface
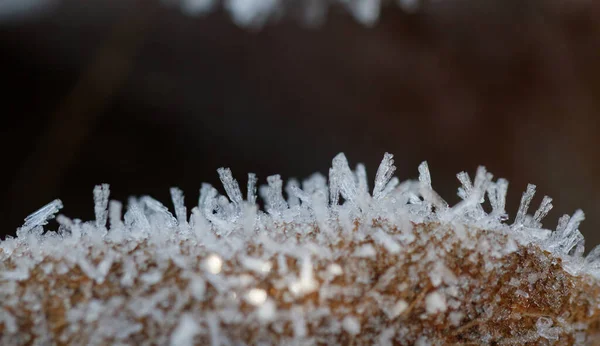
x=329, y=260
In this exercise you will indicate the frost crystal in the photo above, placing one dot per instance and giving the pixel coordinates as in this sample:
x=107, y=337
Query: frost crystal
x=40, y=217
x=351, y=325
x=435, y=302
x=384, y=174
x=185, y=332
x=325, y=262
x=179, y=204
x=101, y=193
x=231, y=186
x=256, y=296
x=542, y=211
x=525, y=201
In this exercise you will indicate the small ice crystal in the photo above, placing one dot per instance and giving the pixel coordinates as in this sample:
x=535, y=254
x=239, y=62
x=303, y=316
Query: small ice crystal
x=592, y=262
x=179, y=204
x=567, y=236
x=542, y=211
x=256, y=296
x=214, y=330
x=114, y=214
x=545, y=329
x=342, y=177
x=256, y=265
x=231, y=186
x=213, y=264
x=291, y=189
x=386, y=241
x=397, y=309
x=524, y=206
x=101, y=194
x=467, y=186
x=267, y=311
x=306, y=283
x=497, y=196
x=365, y=251
x=361, y=176
x=298, y=322
x=351, y=325
x=198, y=288
x=424, y=175
x=435, y=302
x=335, y=269
x=185, y=332
x=273, y=195
x=384, y=174
x=40, y=217
x=251, y=194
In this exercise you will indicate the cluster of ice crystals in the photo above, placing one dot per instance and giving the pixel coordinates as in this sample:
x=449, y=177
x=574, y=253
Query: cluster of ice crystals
x=227, y=247
x=254, y=13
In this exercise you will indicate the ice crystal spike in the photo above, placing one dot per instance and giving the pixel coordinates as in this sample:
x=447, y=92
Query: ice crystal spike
x=567, y=238
x=273, y=195
x=231, y=185
x=424, y=175
x=251, y=194
x=502, y=189
x=426, y=189
x=114, y=214
x=185, y=332
x=592, y=262
x=334, y=187
x=101, y=194
x=384, y=174
x=361, y=177
x=467, y=186
x=524, y=206
x=179, y=205
x=326, y=262
x=482, y=180
x=497, y=196
x=41, y=216
x=542, y=211
x=156, y=208
x=291, y=186
x=342, y=177
x=301, y=195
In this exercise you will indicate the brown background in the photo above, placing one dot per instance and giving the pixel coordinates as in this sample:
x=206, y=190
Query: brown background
x=144, y=98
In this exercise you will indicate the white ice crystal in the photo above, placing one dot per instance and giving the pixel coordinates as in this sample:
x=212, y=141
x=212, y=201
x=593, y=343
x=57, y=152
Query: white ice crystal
x=256, y=296
x=435, y=302
x=351, y=325
x=40, y=217
x=213, y=264
x=294, y=239
x=184, y=334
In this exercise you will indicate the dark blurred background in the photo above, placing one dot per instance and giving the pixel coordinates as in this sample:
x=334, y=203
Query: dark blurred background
x=143, y=97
